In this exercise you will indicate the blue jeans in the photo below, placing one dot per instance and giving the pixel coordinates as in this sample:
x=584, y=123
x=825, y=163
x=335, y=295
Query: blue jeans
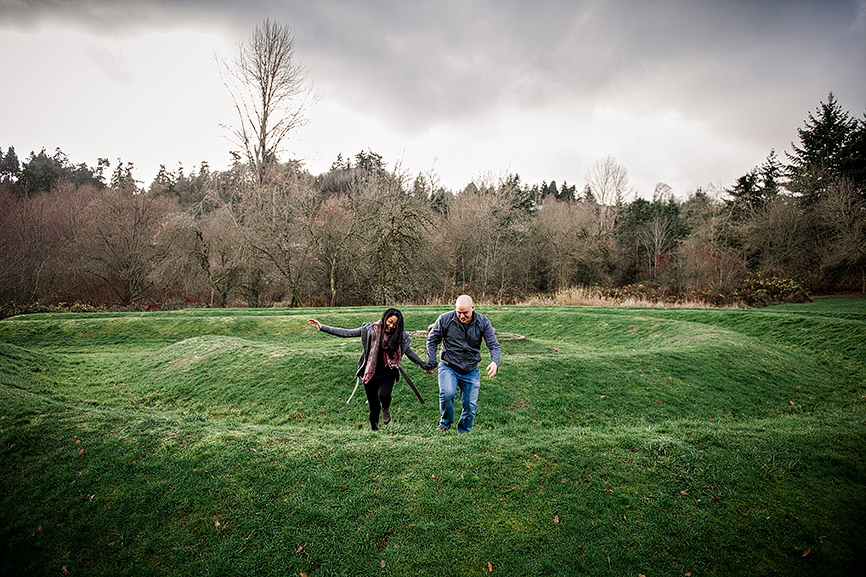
x=449, y=381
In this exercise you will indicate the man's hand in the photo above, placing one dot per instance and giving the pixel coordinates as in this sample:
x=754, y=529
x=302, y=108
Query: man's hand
x=317, y=323
x=491, y=370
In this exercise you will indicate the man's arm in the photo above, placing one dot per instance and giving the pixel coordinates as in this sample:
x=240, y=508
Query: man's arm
x=493, y=346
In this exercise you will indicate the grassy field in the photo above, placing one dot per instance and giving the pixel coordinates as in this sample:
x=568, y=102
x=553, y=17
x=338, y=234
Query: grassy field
x=614, y=441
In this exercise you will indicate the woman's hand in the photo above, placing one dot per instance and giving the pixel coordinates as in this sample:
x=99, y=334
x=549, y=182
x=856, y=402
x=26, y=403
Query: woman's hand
x=317, y=323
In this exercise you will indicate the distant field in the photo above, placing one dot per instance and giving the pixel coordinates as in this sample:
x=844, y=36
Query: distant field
x=613, y=441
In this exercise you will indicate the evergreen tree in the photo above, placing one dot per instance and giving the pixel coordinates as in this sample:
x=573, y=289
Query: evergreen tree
x=753, y=190
x=821, y=159
x=770, y=173
x=854, y=156
x=122, y=179
x=341, y=164
x=566, y=192
x=9, y=165
x=370, y=162
x=41, y=172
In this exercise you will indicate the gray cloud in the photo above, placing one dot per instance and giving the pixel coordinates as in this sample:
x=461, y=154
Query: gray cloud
x=732, y=63
x=739, y=72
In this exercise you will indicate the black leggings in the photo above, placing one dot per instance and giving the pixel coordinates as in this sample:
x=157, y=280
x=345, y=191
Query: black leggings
x=378, y=392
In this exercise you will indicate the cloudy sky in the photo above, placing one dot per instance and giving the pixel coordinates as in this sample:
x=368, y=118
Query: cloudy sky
x=689, y=93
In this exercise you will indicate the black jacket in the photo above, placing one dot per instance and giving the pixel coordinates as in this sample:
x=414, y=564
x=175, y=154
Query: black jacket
x=461, y=343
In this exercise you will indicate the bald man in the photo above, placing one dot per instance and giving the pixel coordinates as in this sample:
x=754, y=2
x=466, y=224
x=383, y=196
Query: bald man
x=461, y=331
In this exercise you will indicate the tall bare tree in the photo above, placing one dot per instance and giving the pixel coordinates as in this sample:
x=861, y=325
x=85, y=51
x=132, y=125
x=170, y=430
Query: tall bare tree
x=271, y=93
x=608, y=181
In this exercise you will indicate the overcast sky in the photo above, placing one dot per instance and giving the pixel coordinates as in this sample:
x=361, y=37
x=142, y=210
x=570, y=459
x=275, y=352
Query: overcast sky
x=689, y=93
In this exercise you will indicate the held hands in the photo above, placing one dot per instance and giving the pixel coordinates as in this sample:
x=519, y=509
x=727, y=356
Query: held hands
x=317, y=323
x=492, y=369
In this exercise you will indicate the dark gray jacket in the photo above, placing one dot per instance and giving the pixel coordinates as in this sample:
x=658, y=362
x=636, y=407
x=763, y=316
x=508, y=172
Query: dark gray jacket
x=364, y=332
x=461, y=343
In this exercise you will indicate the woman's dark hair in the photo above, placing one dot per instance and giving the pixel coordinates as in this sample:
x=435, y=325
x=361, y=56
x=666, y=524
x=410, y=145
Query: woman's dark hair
x=393, y=341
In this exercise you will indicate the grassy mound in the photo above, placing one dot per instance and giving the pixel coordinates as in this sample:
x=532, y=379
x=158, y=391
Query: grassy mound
x=613, y=441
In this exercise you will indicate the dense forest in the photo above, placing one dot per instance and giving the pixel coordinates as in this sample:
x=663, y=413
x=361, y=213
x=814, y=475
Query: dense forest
x=362, y=233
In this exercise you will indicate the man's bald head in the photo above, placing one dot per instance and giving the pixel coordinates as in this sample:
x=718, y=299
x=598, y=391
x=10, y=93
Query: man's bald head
x=465, y=308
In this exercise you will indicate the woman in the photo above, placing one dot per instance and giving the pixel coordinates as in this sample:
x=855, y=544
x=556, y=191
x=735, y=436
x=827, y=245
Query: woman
x=384, y=343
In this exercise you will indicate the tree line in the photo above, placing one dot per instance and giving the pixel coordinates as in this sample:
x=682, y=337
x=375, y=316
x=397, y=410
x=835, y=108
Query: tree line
x=263, y=233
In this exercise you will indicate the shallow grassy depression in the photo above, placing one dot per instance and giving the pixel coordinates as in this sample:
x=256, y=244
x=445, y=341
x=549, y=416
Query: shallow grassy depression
x=613, y=441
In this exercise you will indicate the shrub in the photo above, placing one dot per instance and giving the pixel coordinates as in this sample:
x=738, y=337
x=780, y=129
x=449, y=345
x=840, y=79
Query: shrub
x=761, y=290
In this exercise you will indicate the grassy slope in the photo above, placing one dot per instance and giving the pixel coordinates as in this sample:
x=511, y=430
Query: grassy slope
x=613, y=441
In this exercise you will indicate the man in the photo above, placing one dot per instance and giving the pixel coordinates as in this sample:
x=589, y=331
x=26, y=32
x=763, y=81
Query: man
x=460, y=331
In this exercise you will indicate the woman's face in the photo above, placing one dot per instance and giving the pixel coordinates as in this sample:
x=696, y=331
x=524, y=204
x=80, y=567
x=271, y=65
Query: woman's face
x=391, y=324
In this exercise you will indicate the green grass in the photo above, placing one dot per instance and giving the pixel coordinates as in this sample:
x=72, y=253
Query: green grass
x=614, y=441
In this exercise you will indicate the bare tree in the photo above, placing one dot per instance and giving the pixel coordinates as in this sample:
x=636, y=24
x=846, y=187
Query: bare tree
x=394, y=224
x=331, y=226
x=39, y=235
x=119, y=245
x=842, y=215
x=779, y=238
x=271, y=93
x=271, y=220
x=608, y=181
x=658, y=237
x=489, y=231
x=568, y=247
x=709, y=258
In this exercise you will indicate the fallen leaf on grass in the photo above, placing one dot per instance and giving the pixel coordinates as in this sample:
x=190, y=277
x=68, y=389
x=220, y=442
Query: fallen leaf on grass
x=64, y=571
x=556, y=518
x=806, y=552
x=301, y=548
x=383, y=563
x=216, y=524
x=489, y=567
x=81, y=452
x=303, y=574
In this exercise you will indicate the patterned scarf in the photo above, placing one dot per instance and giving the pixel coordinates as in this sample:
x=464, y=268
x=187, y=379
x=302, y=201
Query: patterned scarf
x=392, y=359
